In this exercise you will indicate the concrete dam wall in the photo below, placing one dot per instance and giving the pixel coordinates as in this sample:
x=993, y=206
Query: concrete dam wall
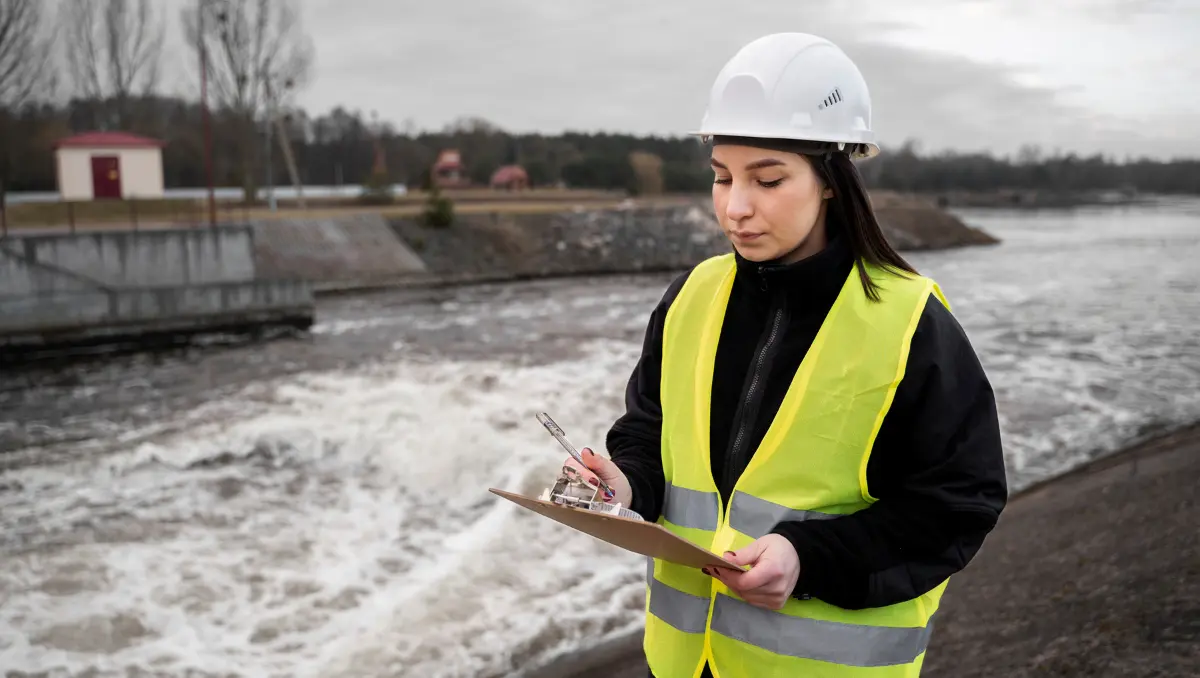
x=70, y=289
x=145, y=258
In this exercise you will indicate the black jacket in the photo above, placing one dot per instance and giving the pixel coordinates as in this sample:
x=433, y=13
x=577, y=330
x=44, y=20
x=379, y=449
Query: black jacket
x=936, y=467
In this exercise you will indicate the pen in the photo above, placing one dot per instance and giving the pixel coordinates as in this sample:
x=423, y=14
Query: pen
x=561, y=437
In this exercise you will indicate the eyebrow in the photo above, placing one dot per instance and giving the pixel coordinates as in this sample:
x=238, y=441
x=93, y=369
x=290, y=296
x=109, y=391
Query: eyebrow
x=757, y=164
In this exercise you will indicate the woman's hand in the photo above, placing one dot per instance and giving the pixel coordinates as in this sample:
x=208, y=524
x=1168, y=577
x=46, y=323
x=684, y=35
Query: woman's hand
x=607, y=471
x=769, y=582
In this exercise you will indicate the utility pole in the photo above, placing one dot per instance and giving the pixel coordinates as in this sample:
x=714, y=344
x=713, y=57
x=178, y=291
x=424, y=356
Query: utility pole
x=270, y=118
x=208, y=162
x=285, y=145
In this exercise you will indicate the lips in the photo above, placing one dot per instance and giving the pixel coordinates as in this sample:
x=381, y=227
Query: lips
x=741, y=235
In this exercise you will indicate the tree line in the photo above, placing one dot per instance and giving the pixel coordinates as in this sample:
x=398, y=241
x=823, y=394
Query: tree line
x=104, y=56
x=340, y=147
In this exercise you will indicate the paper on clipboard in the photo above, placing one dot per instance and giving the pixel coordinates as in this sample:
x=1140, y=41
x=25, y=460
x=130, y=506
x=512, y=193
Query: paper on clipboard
x=647, y=539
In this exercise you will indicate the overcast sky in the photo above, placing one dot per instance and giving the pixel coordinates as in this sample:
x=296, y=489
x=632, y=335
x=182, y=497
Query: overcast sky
x=1113, y=76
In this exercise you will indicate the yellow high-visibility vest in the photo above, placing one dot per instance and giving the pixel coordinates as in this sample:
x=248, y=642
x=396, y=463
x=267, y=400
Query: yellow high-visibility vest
x=810, y=465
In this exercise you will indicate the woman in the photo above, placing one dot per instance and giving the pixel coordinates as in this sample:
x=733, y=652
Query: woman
x=806, y=405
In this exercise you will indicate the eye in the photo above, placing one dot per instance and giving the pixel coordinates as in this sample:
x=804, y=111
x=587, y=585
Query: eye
x=723, y=180
x=771, y=184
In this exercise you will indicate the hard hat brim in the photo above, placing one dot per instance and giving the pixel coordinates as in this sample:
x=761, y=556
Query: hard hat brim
x=864, y=149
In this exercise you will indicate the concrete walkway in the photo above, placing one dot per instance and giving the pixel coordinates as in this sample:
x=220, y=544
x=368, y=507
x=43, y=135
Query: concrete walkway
x=1094, y=573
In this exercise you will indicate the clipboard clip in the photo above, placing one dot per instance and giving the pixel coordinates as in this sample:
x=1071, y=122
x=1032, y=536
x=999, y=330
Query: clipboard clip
x=570, y=488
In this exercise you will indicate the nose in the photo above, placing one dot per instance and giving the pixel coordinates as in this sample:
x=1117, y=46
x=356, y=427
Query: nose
x=738, y=206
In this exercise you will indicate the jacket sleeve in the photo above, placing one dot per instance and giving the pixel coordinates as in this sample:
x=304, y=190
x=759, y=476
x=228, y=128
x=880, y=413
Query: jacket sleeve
x=937, y=471
x=635, y=440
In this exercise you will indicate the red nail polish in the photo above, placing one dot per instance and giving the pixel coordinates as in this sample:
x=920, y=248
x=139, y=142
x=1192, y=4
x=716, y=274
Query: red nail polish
x=594, y=482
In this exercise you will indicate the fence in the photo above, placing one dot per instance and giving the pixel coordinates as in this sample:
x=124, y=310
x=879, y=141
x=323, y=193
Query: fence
x=129, y=213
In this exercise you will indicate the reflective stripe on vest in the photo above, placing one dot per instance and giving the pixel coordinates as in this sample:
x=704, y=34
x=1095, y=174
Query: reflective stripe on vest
x=691, y=508
x=810, y=465
x=750, y=515
x=756, y=517
x=681, y=610
x=836, y=642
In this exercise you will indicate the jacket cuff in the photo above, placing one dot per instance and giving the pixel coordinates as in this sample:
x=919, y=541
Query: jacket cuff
x=813, y=567
x=644, y=502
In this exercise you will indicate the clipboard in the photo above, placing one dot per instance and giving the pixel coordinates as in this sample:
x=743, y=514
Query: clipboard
x=647, y=539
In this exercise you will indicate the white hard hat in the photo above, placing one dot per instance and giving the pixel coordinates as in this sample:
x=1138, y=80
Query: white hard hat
x=792, y=86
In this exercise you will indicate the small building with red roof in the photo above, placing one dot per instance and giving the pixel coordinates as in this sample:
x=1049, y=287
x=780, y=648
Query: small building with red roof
x=510, y=178
x=109, y=165
x=449, y=171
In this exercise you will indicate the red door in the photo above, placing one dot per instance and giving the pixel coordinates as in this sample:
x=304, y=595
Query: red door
x=106, y=176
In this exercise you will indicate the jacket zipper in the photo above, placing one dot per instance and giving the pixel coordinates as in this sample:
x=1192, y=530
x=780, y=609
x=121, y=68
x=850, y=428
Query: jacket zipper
x=749, y=413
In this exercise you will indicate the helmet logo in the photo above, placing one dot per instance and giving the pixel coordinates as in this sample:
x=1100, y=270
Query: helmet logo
x=834, y=97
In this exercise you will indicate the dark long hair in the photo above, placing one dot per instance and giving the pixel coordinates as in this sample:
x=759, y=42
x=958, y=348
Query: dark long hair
x=851, y=209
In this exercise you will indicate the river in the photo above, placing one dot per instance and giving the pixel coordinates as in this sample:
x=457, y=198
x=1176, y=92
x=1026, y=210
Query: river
x=317, y=506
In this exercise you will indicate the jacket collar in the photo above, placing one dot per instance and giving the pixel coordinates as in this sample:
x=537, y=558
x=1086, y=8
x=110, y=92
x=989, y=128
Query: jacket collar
x=816, y=279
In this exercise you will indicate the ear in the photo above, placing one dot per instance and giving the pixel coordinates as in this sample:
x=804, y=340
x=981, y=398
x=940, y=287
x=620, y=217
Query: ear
x=827, y=193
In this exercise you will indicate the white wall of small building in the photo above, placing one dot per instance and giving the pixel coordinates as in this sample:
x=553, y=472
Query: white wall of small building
x=75, y=173
x=141, y=173
x=140, y=168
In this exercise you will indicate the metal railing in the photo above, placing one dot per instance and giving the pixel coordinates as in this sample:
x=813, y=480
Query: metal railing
x=73, y=216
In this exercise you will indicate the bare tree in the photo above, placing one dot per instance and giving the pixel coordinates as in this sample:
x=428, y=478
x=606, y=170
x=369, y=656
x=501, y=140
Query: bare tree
x=113, y=51
x=24, y=52
x=25, y=72
x=647, y=172
x=257, y=54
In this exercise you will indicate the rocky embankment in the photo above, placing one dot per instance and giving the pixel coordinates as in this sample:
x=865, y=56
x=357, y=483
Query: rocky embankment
x=632, y=238
x=916, y=223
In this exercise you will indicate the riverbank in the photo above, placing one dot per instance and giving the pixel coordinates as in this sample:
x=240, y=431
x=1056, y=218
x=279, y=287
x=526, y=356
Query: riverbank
x=1092, y=573
x=1034, y=199
x=369, y=252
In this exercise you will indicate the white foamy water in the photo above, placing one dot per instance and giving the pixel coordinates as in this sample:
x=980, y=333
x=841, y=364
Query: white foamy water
x=331, y=524
x=320, y=509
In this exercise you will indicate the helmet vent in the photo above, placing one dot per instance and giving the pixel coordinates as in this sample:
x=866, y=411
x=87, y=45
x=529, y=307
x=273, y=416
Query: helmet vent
x=834, y=97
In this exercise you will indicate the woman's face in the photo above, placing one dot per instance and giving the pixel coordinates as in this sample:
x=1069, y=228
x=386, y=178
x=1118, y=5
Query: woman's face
x=771, y=204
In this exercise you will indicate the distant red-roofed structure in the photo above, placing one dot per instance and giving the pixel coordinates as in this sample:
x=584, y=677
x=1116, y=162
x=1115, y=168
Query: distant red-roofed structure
x=449, y=170
x=510, y=178
x=109, y=165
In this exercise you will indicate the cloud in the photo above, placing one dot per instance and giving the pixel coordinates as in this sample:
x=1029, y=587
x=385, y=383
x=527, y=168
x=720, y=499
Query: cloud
x=1107, y=10
x=949, y=102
